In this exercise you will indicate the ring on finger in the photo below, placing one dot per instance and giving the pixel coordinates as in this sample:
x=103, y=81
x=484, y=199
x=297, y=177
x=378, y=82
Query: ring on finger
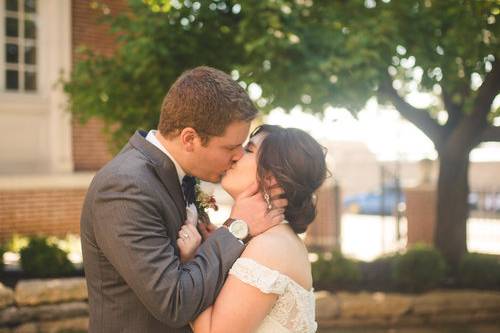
x=186, y=236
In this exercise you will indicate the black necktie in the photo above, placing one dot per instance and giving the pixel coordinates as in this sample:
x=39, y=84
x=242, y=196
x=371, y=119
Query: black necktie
x=188, y=184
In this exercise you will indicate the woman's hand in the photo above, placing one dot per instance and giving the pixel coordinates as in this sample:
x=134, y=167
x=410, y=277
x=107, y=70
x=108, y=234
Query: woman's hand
x=251, y=207
x=189, y=240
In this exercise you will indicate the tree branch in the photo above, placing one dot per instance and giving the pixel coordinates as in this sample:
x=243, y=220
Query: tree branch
x=487, y=92
x=491, y=133
x=419, y=117
x=477, y=123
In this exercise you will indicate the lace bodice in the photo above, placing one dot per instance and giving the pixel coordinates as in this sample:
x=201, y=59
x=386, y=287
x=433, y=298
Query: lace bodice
x=294, y=310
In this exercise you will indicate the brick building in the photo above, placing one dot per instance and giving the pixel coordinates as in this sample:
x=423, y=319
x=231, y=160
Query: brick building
x=46, y=159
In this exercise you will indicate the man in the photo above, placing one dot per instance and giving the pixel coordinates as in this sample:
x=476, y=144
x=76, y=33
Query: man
x=135, y=208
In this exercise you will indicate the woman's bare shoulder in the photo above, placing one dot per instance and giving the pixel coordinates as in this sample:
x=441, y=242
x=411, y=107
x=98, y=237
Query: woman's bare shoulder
x=267, y=247
x=280, y=250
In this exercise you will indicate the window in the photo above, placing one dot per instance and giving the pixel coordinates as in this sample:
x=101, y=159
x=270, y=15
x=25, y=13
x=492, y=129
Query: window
x=20, y=46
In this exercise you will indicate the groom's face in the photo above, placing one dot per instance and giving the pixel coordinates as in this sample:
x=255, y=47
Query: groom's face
x=219, y=154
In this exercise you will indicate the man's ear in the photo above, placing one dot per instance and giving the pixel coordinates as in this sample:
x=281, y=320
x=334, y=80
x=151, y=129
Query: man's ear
x=189, y=139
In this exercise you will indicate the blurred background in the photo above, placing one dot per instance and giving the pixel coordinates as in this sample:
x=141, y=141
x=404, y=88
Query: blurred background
x=404, y=94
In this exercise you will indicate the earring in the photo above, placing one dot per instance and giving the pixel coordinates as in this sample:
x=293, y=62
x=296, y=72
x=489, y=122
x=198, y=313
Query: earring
x=267, y=198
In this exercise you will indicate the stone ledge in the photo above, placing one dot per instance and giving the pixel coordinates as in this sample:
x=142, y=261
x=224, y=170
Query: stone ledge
x=60, y=304
x=390, y=309
x=79, y=324
x=74, y=180
x=6, y=296
x=15, y=316
x=35, y=292
x=442, y=302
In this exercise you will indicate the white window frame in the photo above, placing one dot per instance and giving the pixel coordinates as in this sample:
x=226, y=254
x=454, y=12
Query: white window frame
x=21, y=99
x=21, y=43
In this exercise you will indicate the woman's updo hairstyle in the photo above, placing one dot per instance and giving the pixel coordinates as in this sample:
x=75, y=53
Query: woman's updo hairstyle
x=297, y=162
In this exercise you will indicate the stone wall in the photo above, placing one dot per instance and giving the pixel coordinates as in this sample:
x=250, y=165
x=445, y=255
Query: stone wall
x=397, y=310
x=60, y=305
x=44, y=306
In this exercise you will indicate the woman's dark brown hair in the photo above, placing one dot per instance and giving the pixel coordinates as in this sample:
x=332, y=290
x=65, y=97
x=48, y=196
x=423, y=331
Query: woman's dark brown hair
x=297, y=161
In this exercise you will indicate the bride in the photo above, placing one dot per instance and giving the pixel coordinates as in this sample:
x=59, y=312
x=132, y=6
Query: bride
x=269, y=288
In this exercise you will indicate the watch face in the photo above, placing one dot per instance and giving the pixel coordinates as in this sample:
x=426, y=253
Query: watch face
x=239, y=229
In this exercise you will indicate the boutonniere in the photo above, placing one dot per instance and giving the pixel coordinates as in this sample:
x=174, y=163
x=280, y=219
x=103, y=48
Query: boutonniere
x=203, y=202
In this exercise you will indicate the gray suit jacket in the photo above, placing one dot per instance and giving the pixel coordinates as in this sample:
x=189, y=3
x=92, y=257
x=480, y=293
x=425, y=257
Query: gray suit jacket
x=132, y=213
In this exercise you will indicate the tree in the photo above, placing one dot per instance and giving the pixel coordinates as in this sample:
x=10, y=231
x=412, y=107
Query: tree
x=343, y=52
x=316, y=54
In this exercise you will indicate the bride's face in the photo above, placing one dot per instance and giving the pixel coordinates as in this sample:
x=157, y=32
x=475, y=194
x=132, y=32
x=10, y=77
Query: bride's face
x=243, y=172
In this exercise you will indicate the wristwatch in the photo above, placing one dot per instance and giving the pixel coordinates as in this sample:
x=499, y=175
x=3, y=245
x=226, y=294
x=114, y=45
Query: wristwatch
x=238, y=228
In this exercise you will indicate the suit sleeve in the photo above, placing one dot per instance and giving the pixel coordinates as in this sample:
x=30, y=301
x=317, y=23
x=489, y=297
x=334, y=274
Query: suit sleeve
x=131, y=234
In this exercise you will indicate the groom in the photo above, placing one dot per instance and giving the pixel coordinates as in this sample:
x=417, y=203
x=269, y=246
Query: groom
x=136, y=205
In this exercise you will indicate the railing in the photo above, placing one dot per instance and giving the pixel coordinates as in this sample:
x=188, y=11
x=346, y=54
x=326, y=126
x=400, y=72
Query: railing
x=485, y=203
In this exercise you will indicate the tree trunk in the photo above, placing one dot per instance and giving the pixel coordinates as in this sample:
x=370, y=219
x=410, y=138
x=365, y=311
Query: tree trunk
x=450, y=235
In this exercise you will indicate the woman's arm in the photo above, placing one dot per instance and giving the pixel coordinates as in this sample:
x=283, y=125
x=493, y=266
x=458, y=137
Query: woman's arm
x=240, y=307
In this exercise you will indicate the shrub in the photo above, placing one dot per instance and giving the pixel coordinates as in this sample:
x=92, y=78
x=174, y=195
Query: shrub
x=479, y=271
x=377, y=274
x=333, y=271
x=420, y=268
x=320, y=270
x=16, y=243
x=42, y=259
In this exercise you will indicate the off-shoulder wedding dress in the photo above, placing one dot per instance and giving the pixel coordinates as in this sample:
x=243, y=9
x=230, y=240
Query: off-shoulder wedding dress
x=294, y=310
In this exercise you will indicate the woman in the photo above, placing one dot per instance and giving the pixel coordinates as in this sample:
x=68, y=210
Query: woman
x=269, y=288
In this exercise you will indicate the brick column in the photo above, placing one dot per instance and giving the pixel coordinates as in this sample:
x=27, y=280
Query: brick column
x=421, y=214
x=324, y=233
x=90, y=149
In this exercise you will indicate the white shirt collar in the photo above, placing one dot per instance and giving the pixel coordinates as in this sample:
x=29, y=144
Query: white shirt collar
x=151, y=137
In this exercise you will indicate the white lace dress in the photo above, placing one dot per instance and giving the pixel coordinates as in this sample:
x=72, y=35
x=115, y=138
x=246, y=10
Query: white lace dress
x=294, y=310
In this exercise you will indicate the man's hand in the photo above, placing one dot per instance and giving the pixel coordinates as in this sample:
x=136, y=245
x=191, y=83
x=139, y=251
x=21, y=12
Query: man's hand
x=251, y=207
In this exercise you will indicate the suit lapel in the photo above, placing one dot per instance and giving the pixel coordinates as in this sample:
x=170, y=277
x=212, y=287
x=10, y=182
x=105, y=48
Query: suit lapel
x=165, y=169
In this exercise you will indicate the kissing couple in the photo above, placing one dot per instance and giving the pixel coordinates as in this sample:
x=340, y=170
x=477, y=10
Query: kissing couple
x=153, y=264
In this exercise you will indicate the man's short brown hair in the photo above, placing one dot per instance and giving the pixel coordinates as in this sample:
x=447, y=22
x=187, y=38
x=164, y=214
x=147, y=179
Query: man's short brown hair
x=207, y=100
